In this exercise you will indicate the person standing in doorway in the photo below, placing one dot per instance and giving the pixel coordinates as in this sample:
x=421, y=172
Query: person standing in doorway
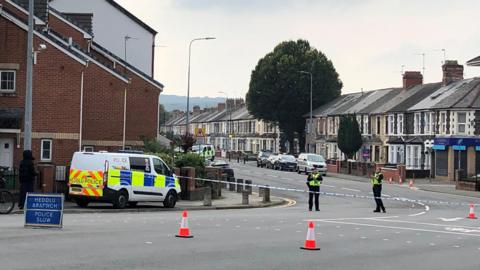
x=313, y=182
x=377, y=190
x=27, y=175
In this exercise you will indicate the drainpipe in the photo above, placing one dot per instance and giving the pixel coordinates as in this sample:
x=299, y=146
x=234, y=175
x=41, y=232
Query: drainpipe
x=81, y=113
x=124, y=117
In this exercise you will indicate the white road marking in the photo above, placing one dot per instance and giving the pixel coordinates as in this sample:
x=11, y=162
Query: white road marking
x=363, y=237
x=277, y=229
x=385, y=239
x=238, y=226
x=408, y=242
x=351, y=189
x=323, y=185
x=148, y=243
x=398, y=228
x=298, y=231
x=456, y=246
x=417, y=214
x=340, y=219
x=386, y=195
x=421, y=223
x=432, y=244
x=450, y=219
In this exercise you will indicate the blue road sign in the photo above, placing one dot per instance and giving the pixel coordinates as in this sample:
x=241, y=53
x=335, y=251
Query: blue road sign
x=44, y=210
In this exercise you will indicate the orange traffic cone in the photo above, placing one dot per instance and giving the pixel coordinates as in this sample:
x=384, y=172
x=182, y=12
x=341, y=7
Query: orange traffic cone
x=471, y=215
x=184, y=231
x=310, y=243
x=410, y=184
x=390, y=180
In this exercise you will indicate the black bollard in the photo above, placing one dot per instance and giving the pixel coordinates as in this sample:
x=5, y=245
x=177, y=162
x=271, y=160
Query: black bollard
x=248, y=186
x=207, y=196
x=239, y=185
x=245, y=197
x=266, y=194
x=231, y=184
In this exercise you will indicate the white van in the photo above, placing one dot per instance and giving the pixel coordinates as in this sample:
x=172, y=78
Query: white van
x=205, y=150
x=306, y=162
x=121, y=179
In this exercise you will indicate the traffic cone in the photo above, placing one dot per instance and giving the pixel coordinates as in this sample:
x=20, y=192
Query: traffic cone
x=390, y=180
x=471, y=215
x=400, y=180
x=310, y=243
x=410, y=184
x=184, y=231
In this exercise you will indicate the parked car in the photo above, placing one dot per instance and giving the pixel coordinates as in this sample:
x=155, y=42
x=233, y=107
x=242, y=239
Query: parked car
x=270, y=162
x=306, y=162
x=248, y=156
x=262, y=158
x=285, y=163
x=226, y=169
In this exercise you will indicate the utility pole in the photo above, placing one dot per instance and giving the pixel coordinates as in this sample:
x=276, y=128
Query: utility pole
x=27, y=140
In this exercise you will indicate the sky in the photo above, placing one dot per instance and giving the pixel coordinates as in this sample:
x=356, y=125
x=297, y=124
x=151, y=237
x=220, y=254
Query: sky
x=368, y=41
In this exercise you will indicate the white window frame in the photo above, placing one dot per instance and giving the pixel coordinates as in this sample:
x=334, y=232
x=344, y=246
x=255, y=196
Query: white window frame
x=417, y=123
x=443, y=122
x=42, y=158
x=400, y=124
x=14, y=81
x=365, y=125
x=391, y=124
x=427, y=120
x=464, y=124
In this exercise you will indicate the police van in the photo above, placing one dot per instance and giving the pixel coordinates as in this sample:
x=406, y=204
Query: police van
x=121, y=179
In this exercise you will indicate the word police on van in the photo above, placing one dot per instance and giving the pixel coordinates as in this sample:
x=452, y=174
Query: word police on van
x=121, y=179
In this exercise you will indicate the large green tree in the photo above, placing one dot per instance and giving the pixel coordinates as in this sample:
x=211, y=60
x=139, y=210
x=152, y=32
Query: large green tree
x=349, y=139
x=279, y=93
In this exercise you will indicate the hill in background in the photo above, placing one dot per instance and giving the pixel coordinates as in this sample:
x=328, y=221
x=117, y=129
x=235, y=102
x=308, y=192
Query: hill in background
x=174, y=102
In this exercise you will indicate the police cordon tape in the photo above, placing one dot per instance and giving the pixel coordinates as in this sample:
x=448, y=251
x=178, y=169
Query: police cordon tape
x=335, y=194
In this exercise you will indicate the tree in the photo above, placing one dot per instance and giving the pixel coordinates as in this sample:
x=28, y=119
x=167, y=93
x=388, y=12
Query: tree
x=349, y=138
x=279, y=94
x=164, y=116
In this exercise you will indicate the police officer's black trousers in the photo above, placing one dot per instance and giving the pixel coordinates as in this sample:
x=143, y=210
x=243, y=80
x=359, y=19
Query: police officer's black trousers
x=377, y=193
x=24, y=189
x=310, y=199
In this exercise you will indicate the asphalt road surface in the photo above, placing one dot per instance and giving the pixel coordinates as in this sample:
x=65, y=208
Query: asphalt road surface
x=350, y=235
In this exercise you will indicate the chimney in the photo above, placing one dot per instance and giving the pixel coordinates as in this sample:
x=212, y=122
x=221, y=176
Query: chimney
x=221, y=106
x=412, y=78
x=196, y=110
x=452, y=72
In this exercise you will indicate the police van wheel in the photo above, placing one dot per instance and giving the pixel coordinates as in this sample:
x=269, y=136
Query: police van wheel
x=170, y=200
x=121, y=200
x=82, y=203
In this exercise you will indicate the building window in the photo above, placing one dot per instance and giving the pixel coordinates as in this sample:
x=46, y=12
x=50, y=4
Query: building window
x=443, y=123
x=417, y=124
x=46, y=150
x=461, y=122
x=365, y=124
x=414, y=155
x=400, y=124
x=88, y=149
x=7, y=81
x=428, y=122
x=391, y=124
x=378, y=125
x=395, y=154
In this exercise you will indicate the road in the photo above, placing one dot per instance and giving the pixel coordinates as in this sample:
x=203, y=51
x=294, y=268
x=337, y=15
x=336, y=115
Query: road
x=408, y=236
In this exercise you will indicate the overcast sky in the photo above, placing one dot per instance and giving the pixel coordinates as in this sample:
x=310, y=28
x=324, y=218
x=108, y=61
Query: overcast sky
x=367, y=41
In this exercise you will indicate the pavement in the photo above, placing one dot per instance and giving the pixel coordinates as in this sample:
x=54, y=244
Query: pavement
x=409, y=236
x=229, y=200
x=421, y=184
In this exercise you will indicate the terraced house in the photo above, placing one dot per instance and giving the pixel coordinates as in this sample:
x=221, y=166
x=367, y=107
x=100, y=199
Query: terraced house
x=431, y=130
x=229, y=127
x=85, y=95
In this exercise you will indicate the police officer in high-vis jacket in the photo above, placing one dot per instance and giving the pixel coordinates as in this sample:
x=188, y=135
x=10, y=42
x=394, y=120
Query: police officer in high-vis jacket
x=377, y=190
x=313, y=182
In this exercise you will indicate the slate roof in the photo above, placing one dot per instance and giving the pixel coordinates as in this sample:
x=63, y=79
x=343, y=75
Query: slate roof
x=377, y=105
x=464, y=95
x=410, y=97
x=474, y=62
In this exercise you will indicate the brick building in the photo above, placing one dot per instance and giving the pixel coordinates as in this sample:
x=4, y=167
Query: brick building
x=82, y=92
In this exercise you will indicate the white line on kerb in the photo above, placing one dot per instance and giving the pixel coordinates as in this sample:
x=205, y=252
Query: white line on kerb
x=351, y=189
x=417, y=214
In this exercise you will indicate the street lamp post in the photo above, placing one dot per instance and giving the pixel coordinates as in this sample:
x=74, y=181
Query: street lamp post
x=188, y=82
x=311, y=104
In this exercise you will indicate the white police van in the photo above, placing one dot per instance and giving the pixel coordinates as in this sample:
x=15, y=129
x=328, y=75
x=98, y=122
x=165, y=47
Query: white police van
x=121, y=179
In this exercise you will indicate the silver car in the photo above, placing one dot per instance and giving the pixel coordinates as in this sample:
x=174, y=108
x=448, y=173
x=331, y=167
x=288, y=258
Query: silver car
x=306, y=162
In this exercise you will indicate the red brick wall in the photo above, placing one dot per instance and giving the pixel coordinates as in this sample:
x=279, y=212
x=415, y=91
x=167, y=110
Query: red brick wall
x=67, y=31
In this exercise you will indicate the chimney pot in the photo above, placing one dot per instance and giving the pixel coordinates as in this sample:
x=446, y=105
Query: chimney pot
x=412, y=78
x=452, y=72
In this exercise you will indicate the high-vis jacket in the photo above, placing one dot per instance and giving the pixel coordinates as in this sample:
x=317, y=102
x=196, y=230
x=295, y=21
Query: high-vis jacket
x=377, y=178
x=315, y=180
